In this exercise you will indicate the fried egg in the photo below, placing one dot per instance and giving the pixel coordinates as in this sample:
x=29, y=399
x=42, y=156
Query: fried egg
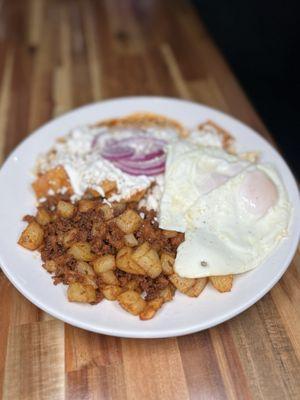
x=233, y=212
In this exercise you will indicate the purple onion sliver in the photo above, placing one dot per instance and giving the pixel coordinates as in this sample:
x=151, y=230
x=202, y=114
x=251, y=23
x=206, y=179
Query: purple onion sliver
x=147, y=156
x=136, y=171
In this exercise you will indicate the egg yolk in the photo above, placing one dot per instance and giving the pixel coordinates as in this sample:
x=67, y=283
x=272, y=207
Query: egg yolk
x=258, y=193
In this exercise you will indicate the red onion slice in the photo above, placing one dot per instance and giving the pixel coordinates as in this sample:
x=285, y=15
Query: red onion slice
x=142, y=165
x=147, y=172
x=117, y=152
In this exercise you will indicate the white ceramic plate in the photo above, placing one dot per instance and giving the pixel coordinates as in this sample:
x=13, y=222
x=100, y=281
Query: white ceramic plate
x=181, y=316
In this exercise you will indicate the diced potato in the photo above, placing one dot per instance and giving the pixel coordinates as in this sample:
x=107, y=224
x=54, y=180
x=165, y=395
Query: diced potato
x=53, y=179
x=137, y=196
x=50, y=266
x=104, y=263
x=85, y=268
x=182, y=284
x=32, y=236
x=167, y=262
x=65, y=209
x=222, y=283
x=86, y=205
x=169, y=234
x=81, y=293
x=109, y=278
x=111, y=292
x=133, y=285
x=69, y=237
x=81, y=251
x=91, y=194
x=43, y=217
x=108, y=212
x=132, y=302
x=167, y=293
x=151, y=308
x=130, y=240
x=148, y=258
x=129, y=221
x=108, y=186
x=118, y=208
x=99, y=229
x=197, y=288
x=125, y=262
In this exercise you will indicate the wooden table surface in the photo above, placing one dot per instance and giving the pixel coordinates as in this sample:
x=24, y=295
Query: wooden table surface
x=59, y=54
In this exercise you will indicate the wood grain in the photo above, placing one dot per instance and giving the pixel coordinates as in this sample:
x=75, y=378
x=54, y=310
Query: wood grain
x=59, y=54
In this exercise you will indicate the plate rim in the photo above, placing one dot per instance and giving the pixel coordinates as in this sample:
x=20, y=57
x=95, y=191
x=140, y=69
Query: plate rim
x=150, y=334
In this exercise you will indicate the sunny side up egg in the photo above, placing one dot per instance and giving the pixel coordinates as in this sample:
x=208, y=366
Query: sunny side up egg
x=233, y=212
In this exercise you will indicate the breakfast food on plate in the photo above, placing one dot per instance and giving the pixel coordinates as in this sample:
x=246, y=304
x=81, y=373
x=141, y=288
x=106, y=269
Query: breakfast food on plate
x=131, y=209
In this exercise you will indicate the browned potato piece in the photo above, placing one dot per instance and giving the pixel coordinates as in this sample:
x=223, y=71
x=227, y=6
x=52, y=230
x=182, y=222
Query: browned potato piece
x=197, y=288
x=182, y=284
x=108, y=186
x=129, y=221
x=118, y=208
x=169, y=234
x=133, y=285
x=109, y=278
x=81, y=293
x=111, y=292
x=50, y=266
x=81, y=251
x=222, y=283
x=54, y=179
x=148, y=259
x=151, y=308
x=132, y=302
x=137, y=196
x=85, y=268
x=86, y=205
x=43, y=217
x=125, y=262
x=32, y=236
x=108, y=212
x=69, y=237
x=65, y=209
x=167, y=262
x=130, y=240
x=167, y=293
x=104, y=263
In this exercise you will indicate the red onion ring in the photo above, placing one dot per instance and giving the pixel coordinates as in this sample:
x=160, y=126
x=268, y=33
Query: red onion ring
x=136, y=155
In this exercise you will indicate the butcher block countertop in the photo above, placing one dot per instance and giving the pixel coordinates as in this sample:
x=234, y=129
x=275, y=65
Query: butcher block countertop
x=57, y=55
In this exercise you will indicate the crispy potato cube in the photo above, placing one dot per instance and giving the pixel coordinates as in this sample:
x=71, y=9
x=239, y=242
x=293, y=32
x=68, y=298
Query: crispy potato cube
x=148, y=259
x=151, y=308
x=65, y=209
x=141, y=251
x=132, y=302
x=86, y=205
x=129, y=221
x=50, y=266
x=133, y=285
x=108, y=212
x=53, y=179
x=81, y=293
x=182, y=284
x=43, y=217
x=130, y=240
x=125, y=262
x=104, y=263
x=167, y=293
x=197, y=288
x=69, y=237
x=81, y=251
x=109, y=278
x=108, y=186
x=85, y=268
x=32, y=236
x=137, y=196
x=111, y=292
x=167, y=262
x=118, y=208
x=169, y=234
x=222, y=283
